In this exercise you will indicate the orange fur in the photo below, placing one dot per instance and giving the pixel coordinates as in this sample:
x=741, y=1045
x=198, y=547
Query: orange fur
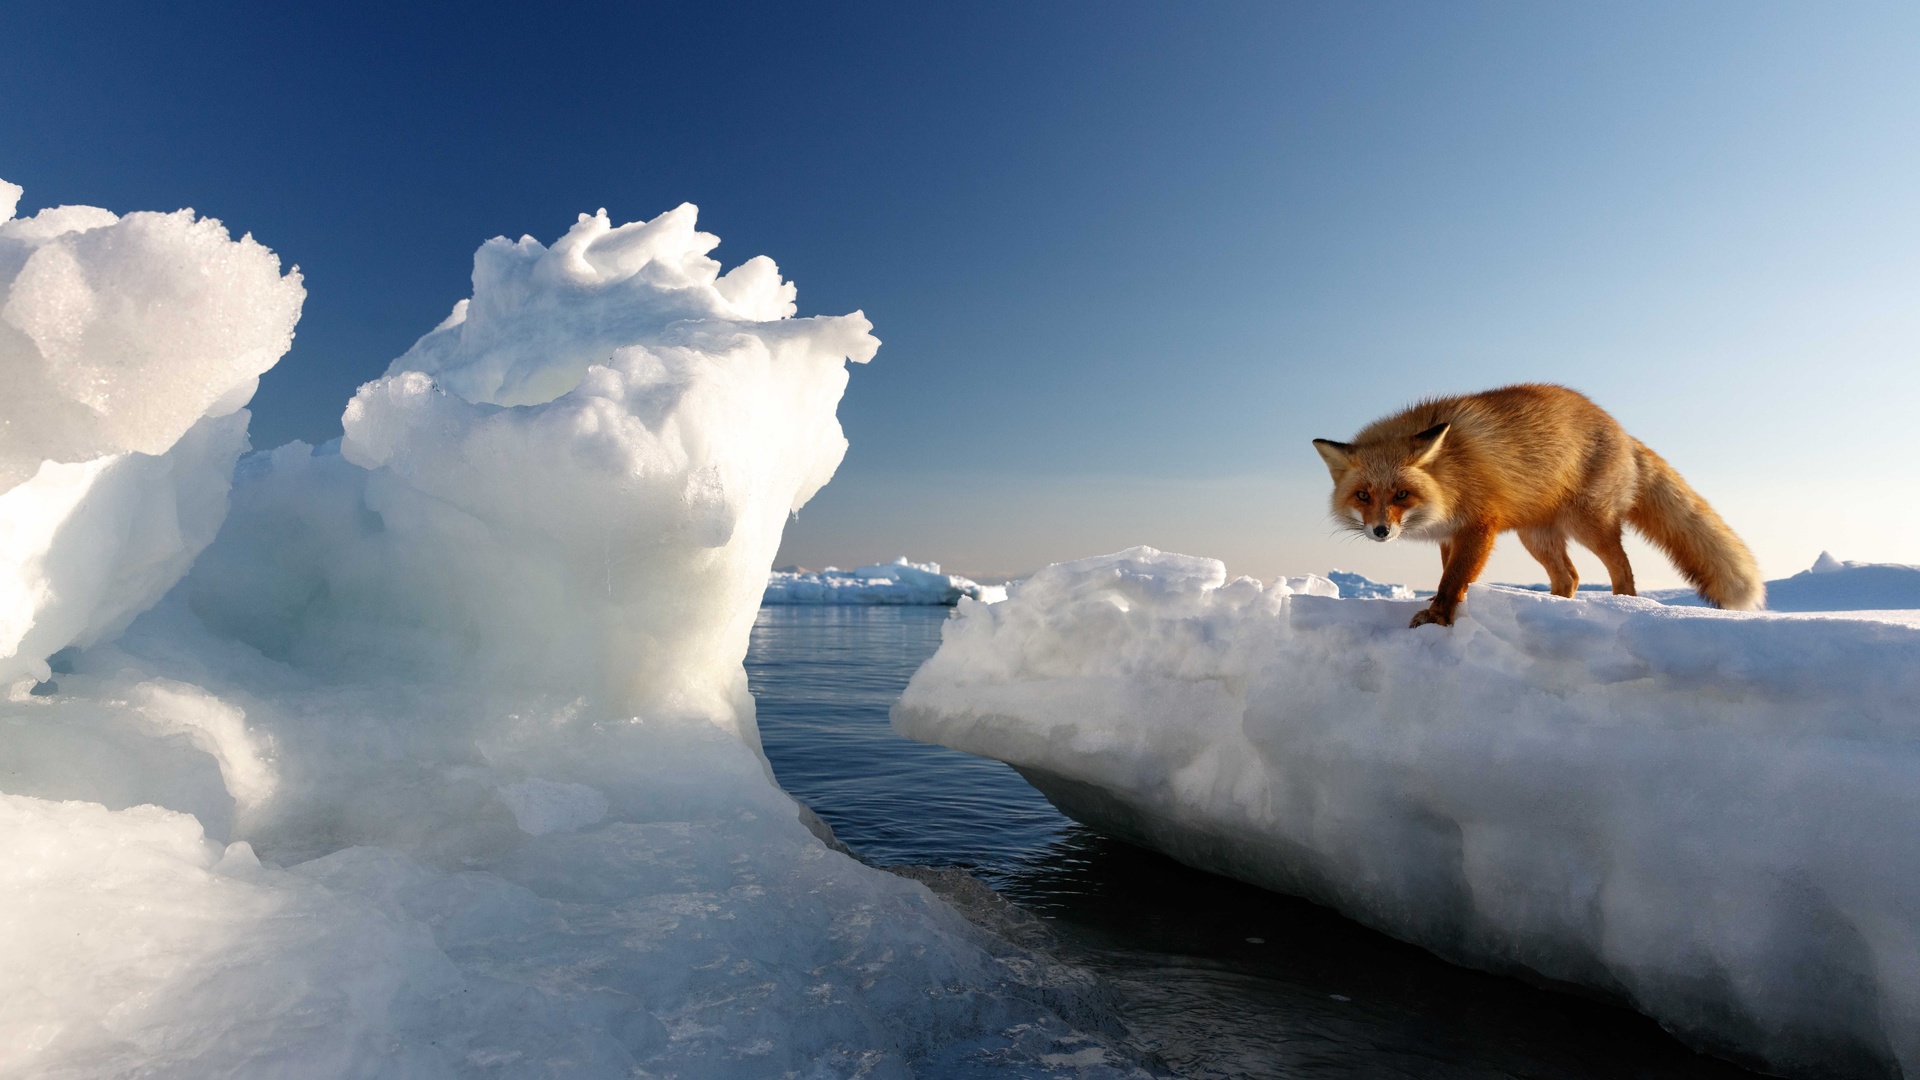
x=1542, y=461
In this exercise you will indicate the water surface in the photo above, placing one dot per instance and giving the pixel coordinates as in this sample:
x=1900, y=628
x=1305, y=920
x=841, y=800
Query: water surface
x=1215, y=978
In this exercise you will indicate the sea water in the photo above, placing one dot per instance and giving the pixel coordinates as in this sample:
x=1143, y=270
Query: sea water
x=1212, y=978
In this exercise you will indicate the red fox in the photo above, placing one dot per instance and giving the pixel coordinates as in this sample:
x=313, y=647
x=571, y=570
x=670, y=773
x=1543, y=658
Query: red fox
x=1545, y=462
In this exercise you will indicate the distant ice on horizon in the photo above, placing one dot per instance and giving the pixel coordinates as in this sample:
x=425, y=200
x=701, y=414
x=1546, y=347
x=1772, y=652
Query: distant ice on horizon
x=899, y=582
x=1831, y=585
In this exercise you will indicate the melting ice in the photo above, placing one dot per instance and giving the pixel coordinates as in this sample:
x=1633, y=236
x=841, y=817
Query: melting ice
x=435, y=757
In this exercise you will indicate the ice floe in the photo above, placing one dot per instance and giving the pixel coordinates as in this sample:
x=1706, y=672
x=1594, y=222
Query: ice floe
x=897, y=582
x=1712, y=816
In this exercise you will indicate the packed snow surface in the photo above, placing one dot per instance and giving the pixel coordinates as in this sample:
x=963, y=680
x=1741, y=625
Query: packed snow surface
x=897, y=582
x=1713, y=816
x=440, y=760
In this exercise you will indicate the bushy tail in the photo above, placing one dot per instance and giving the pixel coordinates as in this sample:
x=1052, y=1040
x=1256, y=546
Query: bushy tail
x=1702, y=547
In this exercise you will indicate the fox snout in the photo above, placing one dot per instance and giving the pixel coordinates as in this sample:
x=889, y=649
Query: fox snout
x=1384, y=532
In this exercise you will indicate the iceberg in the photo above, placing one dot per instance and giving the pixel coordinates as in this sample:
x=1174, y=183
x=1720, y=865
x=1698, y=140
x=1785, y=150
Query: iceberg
x=1710, y=816
x=429, y=752
x=897, y=582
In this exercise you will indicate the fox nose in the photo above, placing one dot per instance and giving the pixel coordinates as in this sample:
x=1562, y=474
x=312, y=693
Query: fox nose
x=1380, y=531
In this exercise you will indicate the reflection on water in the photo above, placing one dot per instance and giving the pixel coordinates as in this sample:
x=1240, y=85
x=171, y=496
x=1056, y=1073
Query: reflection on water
x=823, y=679
x=1224, y=979
x=1216, y=978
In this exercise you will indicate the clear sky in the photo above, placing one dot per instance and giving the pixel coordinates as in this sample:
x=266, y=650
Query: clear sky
x=1127, y=259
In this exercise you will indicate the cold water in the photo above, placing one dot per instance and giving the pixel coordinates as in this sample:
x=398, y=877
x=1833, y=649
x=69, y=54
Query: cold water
x=1214, y=978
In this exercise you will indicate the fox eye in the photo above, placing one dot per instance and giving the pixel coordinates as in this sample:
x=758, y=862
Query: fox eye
x=1400, y=496
x=1363, y=496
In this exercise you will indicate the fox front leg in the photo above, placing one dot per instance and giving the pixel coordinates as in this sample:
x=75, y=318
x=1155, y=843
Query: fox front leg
x=1466, y=555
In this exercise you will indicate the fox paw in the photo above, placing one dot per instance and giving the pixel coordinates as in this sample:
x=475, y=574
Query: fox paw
x=1428, y=615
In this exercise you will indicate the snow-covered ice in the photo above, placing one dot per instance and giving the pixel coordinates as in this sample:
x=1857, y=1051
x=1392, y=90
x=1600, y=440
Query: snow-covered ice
x=897, y=582
x=1712, y=816
x=1832, y=585
x=439, y=760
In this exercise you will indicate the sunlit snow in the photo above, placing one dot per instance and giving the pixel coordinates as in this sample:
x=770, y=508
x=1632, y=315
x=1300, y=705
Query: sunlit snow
x=1713, y=816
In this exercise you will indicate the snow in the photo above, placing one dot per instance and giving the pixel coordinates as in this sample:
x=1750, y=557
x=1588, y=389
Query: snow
x=897, y=582
x=1833, y=585
x=1712, y=816
x=439, y=760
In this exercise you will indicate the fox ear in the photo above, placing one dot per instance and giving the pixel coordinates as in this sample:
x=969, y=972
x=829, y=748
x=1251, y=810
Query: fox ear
x=1426, y=445
x=1337, y=455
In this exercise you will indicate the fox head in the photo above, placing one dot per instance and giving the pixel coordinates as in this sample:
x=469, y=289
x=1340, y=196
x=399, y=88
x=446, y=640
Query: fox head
x=1382, y=487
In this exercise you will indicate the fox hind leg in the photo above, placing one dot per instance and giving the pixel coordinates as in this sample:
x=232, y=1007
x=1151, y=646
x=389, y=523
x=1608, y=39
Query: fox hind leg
x=1604, y=541
x=1549, y=546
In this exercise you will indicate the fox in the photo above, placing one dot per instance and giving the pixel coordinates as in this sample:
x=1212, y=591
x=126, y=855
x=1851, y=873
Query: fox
x=1543, y=461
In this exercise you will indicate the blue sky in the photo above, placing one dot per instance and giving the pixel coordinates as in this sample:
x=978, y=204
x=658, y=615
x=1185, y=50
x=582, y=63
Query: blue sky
x=1126, y=259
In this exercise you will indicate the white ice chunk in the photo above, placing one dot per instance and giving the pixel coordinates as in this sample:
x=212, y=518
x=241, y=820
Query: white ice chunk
x=119, y=333
x=897, y=582
x=86, y=546
x=1315, y=585
x=129, y=347
x=441, y=761
x=60, y=220
x=1710, y=815
x=540, y=316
